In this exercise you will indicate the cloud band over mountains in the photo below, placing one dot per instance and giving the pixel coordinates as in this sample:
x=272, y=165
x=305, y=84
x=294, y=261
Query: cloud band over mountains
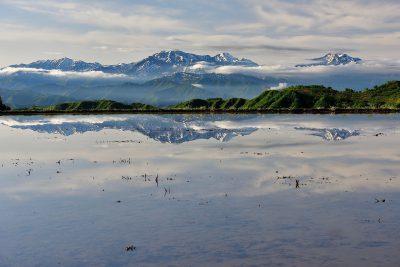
x=8, y=71
x=353, y=75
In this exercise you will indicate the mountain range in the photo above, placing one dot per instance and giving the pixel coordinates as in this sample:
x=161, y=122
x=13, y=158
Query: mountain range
x=170, y=62
x=166, y=78
x=64, y=64
x=155, y=66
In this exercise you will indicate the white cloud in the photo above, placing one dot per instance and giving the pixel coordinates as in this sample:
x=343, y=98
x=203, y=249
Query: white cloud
x=353, y=75
x=57, y=120
x=257, y=71
x=367, y=66
x=140, y=18
x=197, y=85
x=125, y=49
x=268, y=32
x=280, y=86
x=58, y=73
x=102, y=48
x=328, y=16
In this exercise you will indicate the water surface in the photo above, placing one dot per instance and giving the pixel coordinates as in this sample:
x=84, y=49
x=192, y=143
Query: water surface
x=76, y=190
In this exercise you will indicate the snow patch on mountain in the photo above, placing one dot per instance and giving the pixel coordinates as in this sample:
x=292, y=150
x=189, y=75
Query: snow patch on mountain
x=154, y=66
x=331, y=59
x=64, y=64
x=333, y=134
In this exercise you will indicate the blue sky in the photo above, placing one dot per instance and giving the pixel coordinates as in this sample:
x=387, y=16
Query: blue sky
x=268, y=32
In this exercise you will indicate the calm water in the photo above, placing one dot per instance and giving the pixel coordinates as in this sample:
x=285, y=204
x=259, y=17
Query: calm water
x=77, y=190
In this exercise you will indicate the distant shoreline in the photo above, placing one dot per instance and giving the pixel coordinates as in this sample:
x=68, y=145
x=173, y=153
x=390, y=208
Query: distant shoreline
x=202, y=111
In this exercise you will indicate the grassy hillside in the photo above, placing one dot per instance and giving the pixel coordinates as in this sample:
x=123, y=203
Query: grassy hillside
x=99, y=105
x=212, y=103
x=386, y=96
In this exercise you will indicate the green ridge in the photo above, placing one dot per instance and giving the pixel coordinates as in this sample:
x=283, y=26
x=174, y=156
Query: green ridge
x=99, y=105
x=386, y=96
x=313, y=97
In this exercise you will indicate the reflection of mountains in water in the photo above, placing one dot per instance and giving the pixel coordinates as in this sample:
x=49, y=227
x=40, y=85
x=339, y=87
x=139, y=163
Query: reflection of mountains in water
x=333, y=134
x=159, y=128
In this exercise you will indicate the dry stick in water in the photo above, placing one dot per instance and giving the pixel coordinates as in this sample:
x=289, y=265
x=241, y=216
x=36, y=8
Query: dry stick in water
x=130, y=248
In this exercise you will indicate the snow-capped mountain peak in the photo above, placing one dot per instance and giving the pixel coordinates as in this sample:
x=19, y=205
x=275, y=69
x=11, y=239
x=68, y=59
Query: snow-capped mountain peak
x=177, y=57
x=225, y=57
x=174, y=61
x=182, y=58
x=332, y=59
x=64, y=64
x=337, y=59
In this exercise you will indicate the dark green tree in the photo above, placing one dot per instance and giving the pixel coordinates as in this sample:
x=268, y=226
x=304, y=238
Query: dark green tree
x=2, y=106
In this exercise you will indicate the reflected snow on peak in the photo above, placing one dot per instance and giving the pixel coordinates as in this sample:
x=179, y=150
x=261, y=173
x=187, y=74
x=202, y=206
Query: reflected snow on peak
x=165, y=129
x=333, y=134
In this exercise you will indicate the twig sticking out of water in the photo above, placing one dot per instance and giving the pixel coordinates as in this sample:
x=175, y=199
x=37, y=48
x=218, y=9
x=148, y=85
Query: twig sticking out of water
x=130, y=248
x=167, y=191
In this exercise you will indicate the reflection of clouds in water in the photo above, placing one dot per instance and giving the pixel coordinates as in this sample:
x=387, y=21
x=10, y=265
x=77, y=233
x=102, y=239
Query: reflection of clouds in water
x=15, y=121
x=283, y=149
x=220, y=196
x=160, y=128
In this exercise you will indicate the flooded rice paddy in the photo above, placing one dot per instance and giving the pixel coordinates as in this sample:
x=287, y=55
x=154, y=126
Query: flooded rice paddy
x=213, y=190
